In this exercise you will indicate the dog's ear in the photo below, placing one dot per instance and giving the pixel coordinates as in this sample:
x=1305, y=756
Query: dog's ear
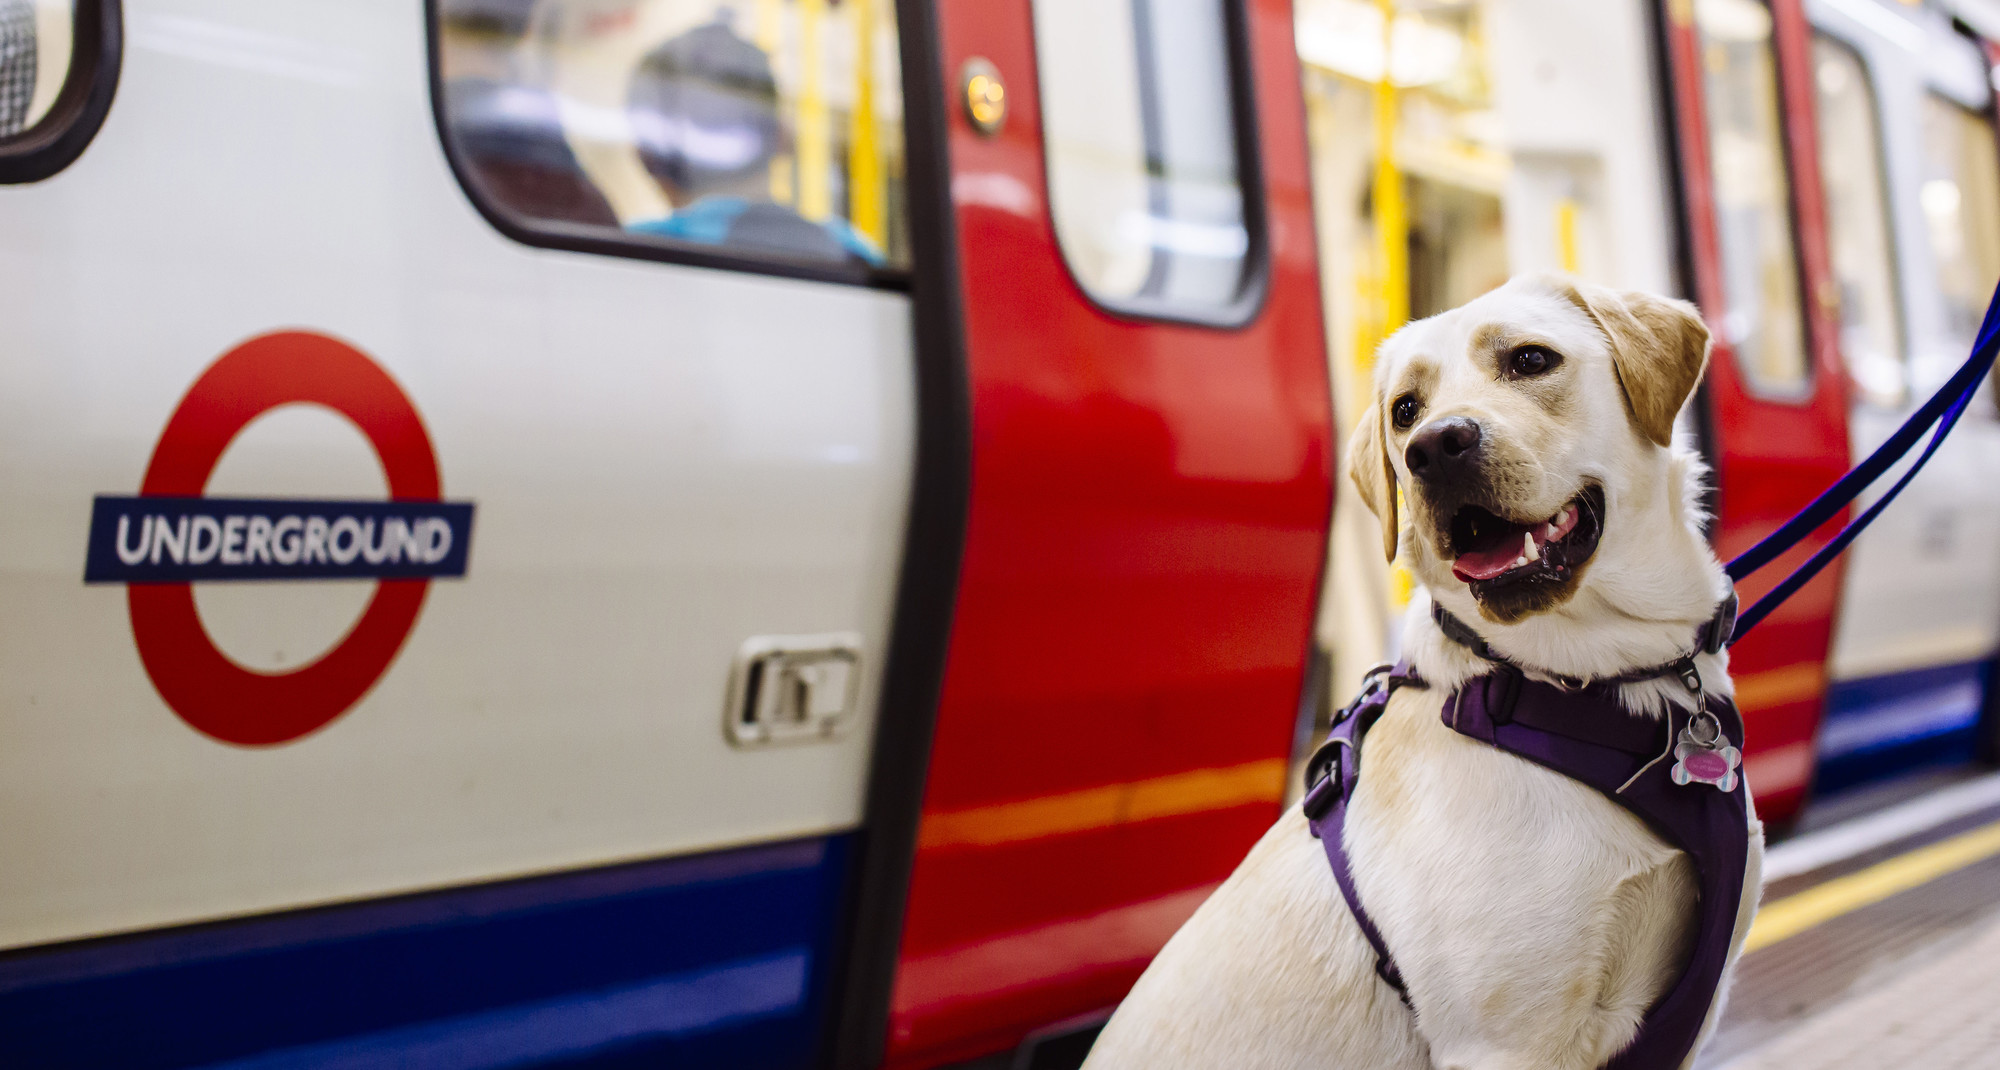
x=1659, y=347
x=1368, y=466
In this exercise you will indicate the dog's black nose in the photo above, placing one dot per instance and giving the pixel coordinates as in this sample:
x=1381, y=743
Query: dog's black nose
x=1444, y=450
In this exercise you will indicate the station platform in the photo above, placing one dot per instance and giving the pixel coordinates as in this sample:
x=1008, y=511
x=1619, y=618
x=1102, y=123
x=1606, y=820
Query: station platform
x=1878, y=942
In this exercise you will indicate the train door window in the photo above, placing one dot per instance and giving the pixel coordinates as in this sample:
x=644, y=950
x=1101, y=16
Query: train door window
x=1763, y=321
x=58, y=66
x=1850, y=152
x=1146, y=183
x=1960, y=198
x=764, y=134
x=34, y=57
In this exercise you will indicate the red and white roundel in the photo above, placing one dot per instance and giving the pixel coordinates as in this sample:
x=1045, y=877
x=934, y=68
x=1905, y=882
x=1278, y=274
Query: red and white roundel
x=209, y=691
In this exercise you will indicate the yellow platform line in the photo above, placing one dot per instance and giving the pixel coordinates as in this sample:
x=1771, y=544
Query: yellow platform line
x=1795, y=914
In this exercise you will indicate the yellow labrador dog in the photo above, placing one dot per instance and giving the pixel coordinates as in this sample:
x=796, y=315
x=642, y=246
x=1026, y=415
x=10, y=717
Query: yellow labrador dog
x=1534, y=921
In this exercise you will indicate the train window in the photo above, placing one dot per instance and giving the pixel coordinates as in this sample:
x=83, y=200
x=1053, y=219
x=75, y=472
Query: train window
x=58, y=67
x=34, y=57
x=764, y=134
x=1139, y=124
x=1850, y=152
x=1763, y=321
x=1960, y=198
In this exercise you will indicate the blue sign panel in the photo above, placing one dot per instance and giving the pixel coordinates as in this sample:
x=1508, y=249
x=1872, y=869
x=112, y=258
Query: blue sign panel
x=178, y=540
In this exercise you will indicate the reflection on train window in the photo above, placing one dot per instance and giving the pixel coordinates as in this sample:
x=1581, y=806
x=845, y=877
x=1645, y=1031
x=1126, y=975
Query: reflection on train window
x=1850, y=153
x=1142, y=151
x=35, y=38
x=1762, y=320
x=763, y=129
x=1960, y=198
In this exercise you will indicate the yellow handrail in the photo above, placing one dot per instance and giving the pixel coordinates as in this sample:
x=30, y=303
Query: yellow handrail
x=1392, y=227
x=1566, y=234
x=867, y=207
x=1392, y=237
x=815, y=139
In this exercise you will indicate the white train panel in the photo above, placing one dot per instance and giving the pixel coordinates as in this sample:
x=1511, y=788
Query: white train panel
x=665, y=461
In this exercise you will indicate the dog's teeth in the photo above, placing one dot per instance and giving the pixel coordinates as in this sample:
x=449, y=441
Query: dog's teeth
x=1520, y=561
x=1528, y=551
x=1554, y=533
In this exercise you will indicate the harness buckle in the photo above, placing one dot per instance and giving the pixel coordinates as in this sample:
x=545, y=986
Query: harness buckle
x=1323, y=779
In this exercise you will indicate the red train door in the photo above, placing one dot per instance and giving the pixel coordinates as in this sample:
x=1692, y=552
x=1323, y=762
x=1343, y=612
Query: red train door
x=1150, y=491
x=1776, y=389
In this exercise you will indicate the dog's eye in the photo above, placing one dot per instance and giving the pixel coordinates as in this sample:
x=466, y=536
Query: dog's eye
x=1405, y=411
x=1529, y=361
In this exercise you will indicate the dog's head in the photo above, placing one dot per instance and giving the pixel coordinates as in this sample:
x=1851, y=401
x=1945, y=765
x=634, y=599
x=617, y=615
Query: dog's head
x=1518, y=426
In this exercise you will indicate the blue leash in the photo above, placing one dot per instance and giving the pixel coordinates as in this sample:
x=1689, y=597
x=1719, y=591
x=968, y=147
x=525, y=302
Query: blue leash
x=1944, y=408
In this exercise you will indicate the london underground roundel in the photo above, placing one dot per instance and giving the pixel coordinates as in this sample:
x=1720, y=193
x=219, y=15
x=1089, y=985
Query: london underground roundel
x=172, y=535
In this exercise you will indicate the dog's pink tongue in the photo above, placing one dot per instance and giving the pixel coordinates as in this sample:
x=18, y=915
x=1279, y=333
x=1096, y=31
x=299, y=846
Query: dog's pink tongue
x=1485, y=564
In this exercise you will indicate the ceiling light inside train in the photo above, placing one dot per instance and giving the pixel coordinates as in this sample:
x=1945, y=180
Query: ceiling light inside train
x=1346, y=36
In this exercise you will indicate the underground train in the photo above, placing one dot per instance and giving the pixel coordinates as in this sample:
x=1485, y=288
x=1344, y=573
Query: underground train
x=784, y=533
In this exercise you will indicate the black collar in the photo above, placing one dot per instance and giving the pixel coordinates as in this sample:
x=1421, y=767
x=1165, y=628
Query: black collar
x=1710, y=638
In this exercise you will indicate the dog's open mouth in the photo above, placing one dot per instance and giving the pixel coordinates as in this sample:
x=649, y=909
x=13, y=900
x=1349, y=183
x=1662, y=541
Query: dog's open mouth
x=1491, y=552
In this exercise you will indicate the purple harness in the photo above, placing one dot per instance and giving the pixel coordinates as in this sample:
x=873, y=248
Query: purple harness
x=1697, y=805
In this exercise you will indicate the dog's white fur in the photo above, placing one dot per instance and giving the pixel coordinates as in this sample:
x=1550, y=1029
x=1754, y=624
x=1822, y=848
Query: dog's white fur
x=1534, y=920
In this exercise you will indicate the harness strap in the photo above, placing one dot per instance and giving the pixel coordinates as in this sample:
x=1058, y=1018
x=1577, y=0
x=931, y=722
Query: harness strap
x=1331, y=775
x=1585, y=735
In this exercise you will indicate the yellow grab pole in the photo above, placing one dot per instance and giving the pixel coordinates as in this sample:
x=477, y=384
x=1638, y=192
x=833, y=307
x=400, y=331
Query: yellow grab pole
x=1566, y=234
x=1392, y=236
x=866, y=206
x=815, y=139
x=1392, y=227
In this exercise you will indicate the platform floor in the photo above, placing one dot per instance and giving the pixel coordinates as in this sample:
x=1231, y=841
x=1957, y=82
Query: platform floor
x=1878, y=942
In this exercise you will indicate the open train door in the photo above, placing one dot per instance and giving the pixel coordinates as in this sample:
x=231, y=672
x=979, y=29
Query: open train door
x=1150, y=489
x=1776, y=392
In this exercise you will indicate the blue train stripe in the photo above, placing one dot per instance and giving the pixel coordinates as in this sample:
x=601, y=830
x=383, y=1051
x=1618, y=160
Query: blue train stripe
x=1951, y=709
x=1882, y=726
x=712, y=960
x=565, y=1029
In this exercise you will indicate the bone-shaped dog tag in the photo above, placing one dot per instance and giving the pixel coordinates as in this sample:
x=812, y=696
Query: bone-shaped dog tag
x=1703, y=756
